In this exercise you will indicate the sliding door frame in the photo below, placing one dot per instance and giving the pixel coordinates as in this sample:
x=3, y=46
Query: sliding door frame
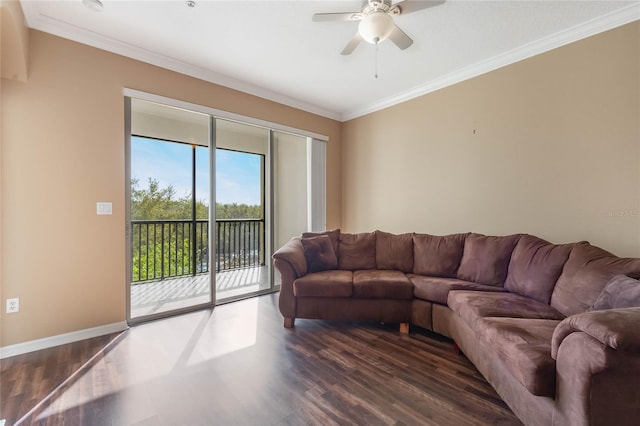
x=127, y=206
x=212, y=253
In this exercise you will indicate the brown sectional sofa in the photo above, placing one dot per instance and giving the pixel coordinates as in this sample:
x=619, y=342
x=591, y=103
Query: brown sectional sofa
x=554, y=328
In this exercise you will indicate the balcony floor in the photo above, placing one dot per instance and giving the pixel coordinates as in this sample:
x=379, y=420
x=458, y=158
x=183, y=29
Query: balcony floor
x=160, y=296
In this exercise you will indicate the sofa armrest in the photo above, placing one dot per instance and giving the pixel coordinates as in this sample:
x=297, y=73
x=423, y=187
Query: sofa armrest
x=597, y=368
x=290, y=262
x=293, y=253
x=615, y=328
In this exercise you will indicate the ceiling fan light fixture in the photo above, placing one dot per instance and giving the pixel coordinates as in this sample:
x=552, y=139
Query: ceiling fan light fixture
x=95, y=5
x=376, y=27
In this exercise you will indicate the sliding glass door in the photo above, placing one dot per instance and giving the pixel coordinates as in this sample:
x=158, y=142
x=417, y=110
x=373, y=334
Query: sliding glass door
x=169, y=211
x=208, y=201
x=243, y=266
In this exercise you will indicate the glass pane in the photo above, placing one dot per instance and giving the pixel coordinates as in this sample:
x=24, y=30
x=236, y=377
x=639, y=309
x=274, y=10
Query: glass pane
x=242, y=268
x=169, y=256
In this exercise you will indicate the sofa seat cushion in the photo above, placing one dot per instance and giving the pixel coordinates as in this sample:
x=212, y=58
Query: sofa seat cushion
x=474, y=305
x=437, y=290
x=324, y=284
x=381, y=284
x=524, y=346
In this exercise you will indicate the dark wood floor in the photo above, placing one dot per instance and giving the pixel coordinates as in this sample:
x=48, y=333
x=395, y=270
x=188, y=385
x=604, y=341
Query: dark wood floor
x=237, y=365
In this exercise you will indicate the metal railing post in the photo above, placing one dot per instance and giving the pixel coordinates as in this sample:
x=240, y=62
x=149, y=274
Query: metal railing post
x=162, y=251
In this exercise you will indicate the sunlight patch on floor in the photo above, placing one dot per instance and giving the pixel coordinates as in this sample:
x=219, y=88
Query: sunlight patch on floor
x=196, y=338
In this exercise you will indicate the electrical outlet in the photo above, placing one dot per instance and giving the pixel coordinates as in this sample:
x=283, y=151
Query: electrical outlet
x=13, y=305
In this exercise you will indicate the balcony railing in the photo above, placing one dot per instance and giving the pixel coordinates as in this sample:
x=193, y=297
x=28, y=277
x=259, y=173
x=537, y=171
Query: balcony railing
x=174, y=248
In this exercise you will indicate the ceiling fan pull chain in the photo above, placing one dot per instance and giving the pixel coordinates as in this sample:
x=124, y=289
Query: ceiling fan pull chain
x=376, y=60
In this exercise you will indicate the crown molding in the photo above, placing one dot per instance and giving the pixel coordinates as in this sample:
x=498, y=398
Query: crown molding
x=595, y=26
x=47, y=24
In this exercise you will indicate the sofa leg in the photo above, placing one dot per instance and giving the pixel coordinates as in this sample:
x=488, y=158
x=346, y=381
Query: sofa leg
x=456, y=349
x=404, y=327
x=289, y=322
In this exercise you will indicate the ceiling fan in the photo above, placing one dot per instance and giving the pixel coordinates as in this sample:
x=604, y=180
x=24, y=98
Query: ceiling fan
x=376, y=21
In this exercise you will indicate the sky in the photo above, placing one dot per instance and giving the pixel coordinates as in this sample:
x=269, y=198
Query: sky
x=237, y=174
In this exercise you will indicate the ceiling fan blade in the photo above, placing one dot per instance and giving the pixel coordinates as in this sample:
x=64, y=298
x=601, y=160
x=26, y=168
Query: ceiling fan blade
x=400, y=38
x=355, y=41
x=348, y=16
x=410, y=6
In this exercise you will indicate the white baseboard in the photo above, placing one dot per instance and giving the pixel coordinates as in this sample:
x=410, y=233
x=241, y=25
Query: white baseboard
x=61, y=339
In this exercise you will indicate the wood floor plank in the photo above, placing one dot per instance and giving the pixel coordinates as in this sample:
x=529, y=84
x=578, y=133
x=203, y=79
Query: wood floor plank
x=237, y=365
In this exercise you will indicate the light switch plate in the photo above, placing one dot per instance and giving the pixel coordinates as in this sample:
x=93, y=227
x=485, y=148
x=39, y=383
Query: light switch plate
x=104, y=207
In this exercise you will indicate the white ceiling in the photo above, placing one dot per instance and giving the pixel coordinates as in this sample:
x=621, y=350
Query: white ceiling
x=272, y=48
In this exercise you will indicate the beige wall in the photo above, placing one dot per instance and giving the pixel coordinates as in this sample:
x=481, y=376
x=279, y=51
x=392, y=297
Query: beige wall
x=548, y=146
x=14, y=48
x=62, y=151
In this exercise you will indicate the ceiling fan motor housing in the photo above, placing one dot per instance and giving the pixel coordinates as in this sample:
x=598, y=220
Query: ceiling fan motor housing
x=376, y=27
x=377, y=21
x=373, y=5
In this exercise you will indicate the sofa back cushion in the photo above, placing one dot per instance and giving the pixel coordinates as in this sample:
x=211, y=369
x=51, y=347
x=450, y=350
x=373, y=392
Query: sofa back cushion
x=535, y=267
x=357, y=251
x=585, y=275
x=437, y=256
x=333, y=234
x=394, y=251
x=319, y=253
x=485, y=259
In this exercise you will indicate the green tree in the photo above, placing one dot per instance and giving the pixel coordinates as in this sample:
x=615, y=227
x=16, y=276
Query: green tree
x=157, y=203
x=238, y=211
